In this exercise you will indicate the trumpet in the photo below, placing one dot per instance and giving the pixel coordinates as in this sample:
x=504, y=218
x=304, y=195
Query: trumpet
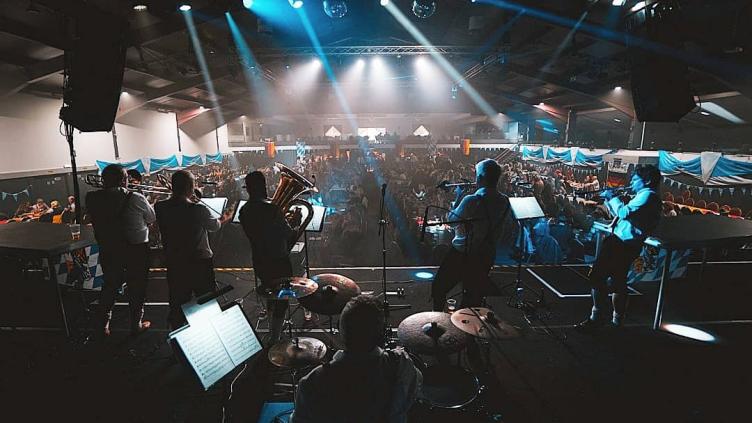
x=291, y=186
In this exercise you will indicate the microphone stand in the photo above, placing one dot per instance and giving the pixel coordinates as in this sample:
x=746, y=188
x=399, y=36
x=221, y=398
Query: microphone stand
x=382, y=232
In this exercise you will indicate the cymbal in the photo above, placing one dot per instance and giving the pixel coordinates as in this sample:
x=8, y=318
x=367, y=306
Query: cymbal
x=297, y=353
x=431, y=333
x=483, y=325
x=332, y=295
x=290, y=287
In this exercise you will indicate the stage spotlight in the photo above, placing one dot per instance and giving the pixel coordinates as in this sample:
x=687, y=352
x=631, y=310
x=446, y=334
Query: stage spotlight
x=424, y=275
x=248, y=4
x=689, y=332
x=424, y=8
x=184, y=6
x=383, y=2
x=617, y=88
x=638, y=6
x=618, y=2
x=360, y=62
x=140, y=7
x=296, y=4
x=316, y=62
x=335, y=9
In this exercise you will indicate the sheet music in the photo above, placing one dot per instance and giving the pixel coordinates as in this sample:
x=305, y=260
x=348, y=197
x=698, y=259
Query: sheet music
x=236, y=334
x=200, y=313
x=205, y=352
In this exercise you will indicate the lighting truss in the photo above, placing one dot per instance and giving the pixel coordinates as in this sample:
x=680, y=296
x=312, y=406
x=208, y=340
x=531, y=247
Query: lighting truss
x=367, y=50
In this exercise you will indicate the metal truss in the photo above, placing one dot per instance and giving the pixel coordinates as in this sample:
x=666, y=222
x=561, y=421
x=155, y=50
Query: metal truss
x=367, y=50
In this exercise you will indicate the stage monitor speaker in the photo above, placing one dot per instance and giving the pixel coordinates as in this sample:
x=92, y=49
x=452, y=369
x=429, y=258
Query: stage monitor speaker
x=94, y=67
x=660, y=90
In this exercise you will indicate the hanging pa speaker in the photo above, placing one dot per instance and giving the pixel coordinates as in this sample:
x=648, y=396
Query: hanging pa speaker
x=660, y=89
x=94, y=71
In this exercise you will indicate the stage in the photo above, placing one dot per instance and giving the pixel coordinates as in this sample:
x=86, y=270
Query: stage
x=634, y=373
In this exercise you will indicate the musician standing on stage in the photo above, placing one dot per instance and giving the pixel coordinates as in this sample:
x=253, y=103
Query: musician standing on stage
x=636, y=220
x=185, y=224
x=474, y=245
x=271, y=239
x=121, y=220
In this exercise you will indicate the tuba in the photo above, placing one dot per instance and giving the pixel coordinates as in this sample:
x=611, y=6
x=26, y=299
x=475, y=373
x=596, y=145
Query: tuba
x=291, y=186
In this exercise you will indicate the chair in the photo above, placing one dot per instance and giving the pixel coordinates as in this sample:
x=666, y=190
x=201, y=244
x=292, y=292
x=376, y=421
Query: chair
x=713, y=206
x=725, y=208
x=736, y=212
x=668, y=197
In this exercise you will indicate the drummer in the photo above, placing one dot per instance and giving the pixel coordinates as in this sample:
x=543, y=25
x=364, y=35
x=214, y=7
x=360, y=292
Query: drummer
x=363, y=382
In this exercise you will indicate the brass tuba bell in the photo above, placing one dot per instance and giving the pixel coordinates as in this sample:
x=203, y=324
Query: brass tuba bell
x=291, y=186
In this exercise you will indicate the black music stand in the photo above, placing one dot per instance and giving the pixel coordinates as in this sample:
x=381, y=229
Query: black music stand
x=523, y=209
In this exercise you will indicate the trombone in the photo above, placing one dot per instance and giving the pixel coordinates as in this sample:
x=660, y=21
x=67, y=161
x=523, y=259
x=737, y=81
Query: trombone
x=96, y=181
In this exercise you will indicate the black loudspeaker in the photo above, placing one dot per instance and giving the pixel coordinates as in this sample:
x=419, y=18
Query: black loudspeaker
x=660, y=90
x=94, y=70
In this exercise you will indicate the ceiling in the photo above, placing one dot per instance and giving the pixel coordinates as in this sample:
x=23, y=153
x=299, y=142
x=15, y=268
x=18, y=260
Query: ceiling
x=517, y=55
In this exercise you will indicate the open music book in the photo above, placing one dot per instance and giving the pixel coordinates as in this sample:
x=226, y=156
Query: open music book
x=215, y=342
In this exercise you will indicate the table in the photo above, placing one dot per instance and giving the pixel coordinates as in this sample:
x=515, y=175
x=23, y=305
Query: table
x=44, y=240
x=695, y=231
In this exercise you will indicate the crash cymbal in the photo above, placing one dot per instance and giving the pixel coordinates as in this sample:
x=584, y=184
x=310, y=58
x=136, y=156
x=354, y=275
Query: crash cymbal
x=431, y=332
x=333, y=293
x=297, y=353
x=483, y=323
x=286, y=288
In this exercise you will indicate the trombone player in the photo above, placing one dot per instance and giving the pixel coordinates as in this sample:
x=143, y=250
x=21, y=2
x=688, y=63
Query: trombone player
x=272, y=238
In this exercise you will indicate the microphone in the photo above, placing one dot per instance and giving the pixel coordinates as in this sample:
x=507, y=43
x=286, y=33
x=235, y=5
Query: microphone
x=383, y=190
x=443, y=184
x=208, y=182
x=423, y=229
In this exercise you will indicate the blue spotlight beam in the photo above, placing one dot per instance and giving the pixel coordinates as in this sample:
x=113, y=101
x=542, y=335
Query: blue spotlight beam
x=198, y=50
x=256, y=83
x=626, y=39
x=399, y=220
x=446, y=66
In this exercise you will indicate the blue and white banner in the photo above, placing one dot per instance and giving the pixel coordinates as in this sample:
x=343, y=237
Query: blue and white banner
x=214, y=158
x=192, y=161
x=710, y=168
x=648, y=267
x=136, y=164
x=81, y=269
x=155, y=165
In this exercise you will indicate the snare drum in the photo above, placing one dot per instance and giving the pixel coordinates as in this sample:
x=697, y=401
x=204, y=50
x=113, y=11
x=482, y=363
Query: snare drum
x=448, y=387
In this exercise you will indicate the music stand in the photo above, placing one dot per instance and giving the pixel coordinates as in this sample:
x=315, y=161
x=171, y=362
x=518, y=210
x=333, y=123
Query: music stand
x=216, y=205
x=215, y=341
x=315, y=225
x=523, y=208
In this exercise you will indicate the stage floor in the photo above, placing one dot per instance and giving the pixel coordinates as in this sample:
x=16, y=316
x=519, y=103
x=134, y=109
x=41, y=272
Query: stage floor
x=626, y=375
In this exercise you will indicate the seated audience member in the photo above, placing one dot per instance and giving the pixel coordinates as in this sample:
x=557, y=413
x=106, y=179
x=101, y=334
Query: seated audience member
x=690, y=202
x=735, y=212
x=39, y=207
x=701, y=204
x=713, y=206
x=363, y=383
x=668, y=197
x=23, y=209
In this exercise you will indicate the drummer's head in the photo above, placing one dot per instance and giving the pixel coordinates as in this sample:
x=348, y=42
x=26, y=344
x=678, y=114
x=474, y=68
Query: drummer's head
x=255, y=184
x=362, y=324
x=487, y=173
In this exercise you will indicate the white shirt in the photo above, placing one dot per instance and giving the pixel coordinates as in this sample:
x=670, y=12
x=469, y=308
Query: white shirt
x=488, y=208
x=638, y=217
x=138, y=214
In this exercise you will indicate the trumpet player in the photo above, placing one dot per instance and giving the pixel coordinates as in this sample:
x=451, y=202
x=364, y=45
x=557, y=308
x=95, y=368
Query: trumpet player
x=185, y=225
x=634, y=221
x=120, y=219
x=272, y=238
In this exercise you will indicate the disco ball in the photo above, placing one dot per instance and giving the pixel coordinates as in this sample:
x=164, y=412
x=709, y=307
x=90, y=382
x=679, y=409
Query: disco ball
x=424, y=8
x=335, y=9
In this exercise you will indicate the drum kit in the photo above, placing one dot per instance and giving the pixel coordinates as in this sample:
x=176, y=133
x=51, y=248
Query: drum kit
x=434, y=334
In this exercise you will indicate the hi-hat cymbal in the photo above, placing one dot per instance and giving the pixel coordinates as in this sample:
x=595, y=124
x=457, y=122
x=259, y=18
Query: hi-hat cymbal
x=431, y=332
x=332, y=295
x=483, y=323
x=297, y=353
x=291, y=287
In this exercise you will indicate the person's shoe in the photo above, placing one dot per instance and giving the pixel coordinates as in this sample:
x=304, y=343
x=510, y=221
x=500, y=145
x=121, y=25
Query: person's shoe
x=617, y=321
x=141, y=328
x=589, y=326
